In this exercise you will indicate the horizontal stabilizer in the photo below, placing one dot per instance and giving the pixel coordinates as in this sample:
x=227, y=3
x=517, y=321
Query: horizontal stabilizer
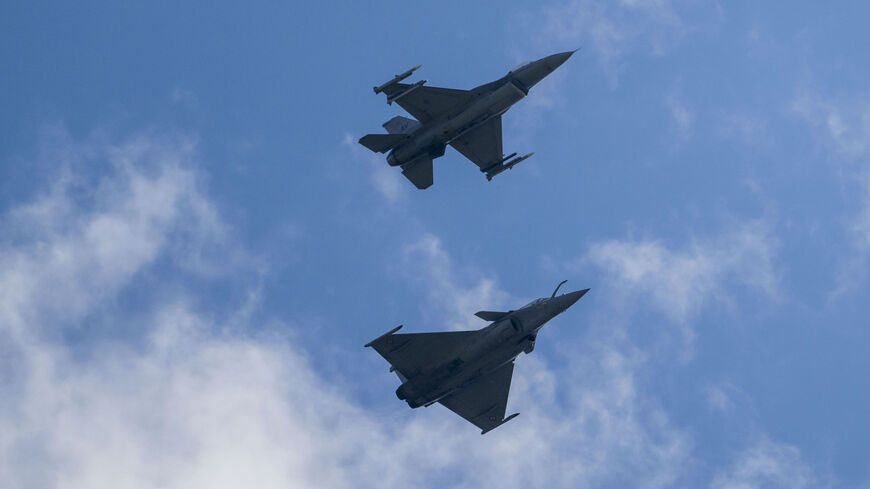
x=419, y=172
x=490, y=315
x=381, y=143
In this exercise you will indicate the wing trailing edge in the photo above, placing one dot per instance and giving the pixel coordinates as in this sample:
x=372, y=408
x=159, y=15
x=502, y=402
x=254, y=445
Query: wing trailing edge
x=483, y=401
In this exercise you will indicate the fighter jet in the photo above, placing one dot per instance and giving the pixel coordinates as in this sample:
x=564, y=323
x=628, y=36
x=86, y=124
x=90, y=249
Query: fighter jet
x=468, y=120
x=469, y=372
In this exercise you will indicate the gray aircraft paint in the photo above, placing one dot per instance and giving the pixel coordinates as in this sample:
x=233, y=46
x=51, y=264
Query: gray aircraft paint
x=469, y=371
x=468, y=120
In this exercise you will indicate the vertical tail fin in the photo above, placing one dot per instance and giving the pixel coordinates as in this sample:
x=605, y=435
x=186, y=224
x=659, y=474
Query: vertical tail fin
x=401, y=125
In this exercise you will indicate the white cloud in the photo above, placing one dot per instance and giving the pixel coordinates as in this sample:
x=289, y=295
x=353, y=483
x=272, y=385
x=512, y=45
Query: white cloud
x=846, y=124
x=194, y=410
x=595, y=410
x=747, y=127
x=719, y=397
x=184, y=96
x=202, y=403
x=611, y=30
x=387, y=181
x=730, y=401
x=768, y=465
x=77, y=259
x=591, y=408
x=844, y=127
x=680, y=282
x=683, y=118
x=431, y=265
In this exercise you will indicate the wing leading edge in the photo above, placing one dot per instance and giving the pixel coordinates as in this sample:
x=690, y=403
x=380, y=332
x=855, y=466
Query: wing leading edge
x=428, y=103
x=483, y=402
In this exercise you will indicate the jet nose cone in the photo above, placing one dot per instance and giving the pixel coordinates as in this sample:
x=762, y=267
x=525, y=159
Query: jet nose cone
x=530, y=74
x=555, y=60
x=570, y=298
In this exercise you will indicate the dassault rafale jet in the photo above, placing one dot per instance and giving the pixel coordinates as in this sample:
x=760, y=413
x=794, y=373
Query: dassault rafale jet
x=469, y=372
x=468, y=120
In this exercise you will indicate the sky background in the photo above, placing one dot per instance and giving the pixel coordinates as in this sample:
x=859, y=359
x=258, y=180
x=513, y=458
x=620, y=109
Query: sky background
x=194, y=248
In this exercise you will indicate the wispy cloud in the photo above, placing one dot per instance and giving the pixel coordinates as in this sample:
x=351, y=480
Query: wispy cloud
x=679, y=282
x=842, y=127
x=611, y=30
x=768, y=465
x=86, y=242
x=600, y=429
x=183, y=96
x=201, y=402
x=845, y=124
x=745, y=126
x=681, y=115
x=430, y=264
x=387, y=181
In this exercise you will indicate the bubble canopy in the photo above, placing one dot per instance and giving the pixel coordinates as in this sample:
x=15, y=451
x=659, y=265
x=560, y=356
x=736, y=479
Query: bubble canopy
x=534, y=303
x=521, y=66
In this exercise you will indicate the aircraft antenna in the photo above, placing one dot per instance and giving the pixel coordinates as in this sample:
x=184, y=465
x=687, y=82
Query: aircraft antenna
x=557, y=288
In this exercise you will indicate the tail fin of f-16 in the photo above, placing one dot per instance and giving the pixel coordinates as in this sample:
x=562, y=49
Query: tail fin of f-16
x=401, y=125
x=381, y=143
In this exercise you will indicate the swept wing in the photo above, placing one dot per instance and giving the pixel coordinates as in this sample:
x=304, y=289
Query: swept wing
x=412, y=353
x=482, y=145
x=484, y=400
x=428, y=103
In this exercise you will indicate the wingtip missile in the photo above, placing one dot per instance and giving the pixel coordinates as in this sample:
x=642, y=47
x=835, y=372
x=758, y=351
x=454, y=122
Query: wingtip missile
x=396, y=79
x=397, y=96
x=506, y=166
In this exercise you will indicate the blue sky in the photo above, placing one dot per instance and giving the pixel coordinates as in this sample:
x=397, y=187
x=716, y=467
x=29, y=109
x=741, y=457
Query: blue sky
x=194, y=248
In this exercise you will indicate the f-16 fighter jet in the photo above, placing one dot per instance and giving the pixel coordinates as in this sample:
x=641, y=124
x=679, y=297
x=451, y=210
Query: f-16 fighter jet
x=468, y=120
x=469, y=371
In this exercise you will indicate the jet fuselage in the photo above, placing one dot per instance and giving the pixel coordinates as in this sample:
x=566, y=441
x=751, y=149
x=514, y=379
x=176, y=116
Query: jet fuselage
x=499, y=343
x=433, y=138
x=493, y=99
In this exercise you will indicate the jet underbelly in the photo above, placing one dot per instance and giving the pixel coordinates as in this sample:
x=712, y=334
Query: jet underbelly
x=438, y=135
x=503, y=98
x=487, y=107
x=495, y=346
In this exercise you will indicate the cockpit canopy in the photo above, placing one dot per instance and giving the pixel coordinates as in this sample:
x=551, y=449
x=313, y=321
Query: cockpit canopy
x=520, y=66
x=535, y=302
